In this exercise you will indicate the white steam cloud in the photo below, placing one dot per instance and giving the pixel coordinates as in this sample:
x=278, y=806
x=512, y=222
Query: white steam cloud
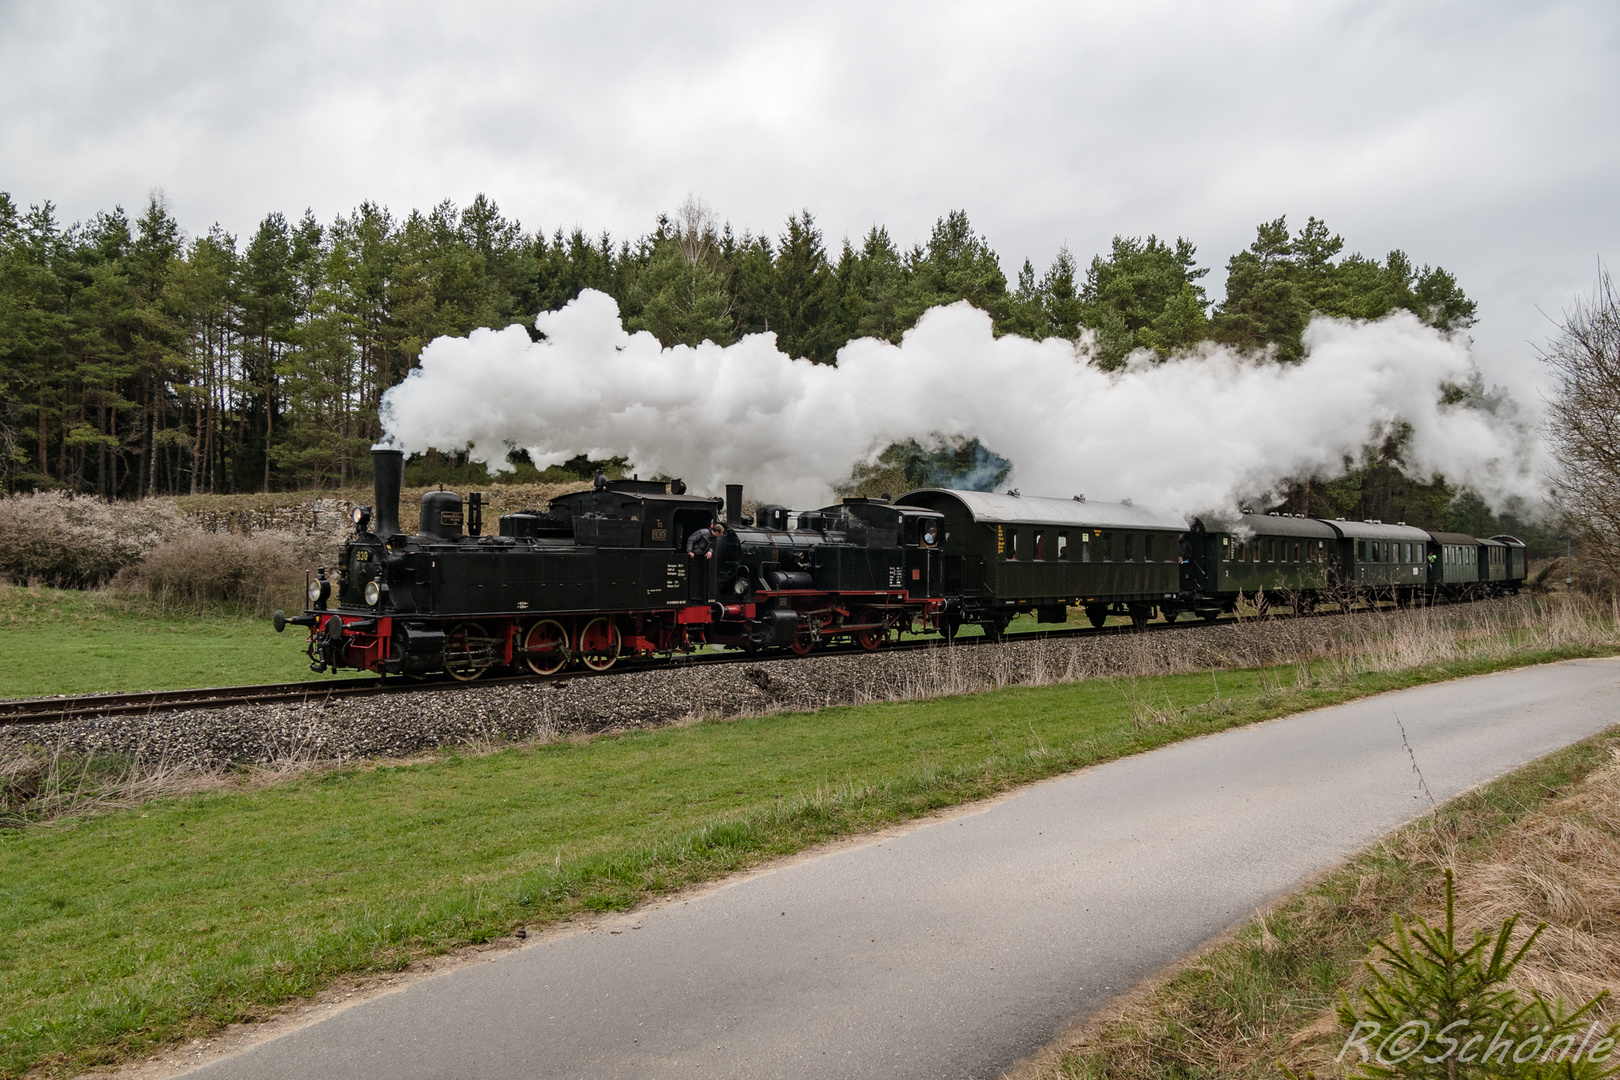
x=1192, y=434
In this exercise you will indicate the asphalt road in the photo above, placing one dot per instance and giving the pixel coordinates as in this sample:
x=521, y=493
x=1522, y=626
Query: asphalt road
x=957, y=948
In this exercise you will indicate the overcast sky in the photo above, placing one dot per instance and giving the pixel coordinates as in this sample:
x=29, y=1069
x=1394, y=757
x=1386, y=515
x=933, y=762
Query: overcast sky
x=1478, y=136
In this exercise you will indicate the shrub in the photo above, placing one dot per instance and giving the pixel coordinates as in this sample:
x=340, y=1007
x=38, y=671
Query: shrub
x=198, y=570
x=1438, y=1007
x=77, y=542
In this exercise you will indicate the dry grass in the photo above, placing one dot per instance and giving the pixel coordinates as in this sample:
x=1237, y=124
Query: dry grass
x=1327, y=651
x=40, y=786
x=198, y=572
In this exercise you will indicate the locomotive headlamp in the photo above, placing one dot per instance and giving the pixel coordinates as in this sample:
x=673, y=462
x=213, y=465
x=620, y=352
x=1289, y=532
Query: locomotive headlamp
x=741, y=586
x=373, y=593
x=362, y=518
x=319, y=590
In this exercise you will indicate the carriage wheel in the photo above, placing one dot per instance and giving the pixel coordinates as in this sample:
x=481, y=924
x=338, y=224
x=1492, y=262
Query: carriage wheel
x=599, y=643
x=1096, y=614
x=872, y=640
x=1140, y=614
x=1210, y=616
x=1170, y=614
x=546, y=644
x=467, y=651
x=949, y=627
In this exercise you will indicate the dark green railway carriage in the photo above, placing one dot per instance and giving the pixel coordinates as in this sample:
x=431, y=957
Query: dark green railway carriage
x=1382, y=562
x=1493, y=565
x=1267, y=558
x=1018, y=553
x=1453, y=564
x=1514, y=554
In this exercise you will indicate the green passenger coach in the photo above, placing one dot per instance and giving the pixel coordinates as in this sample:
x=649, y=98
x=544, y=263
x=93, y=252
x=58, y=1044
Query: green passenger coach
x=1011, y=553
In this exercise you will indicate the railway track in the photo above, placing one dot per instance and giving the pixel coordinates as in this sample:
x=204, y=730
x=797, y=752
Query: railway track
x=57, y=709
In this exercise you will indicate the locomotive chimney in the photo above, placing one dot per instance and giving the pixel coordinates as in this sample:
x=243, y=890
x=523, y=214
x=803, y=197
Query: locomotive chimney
x=387, y=470
x=733, y=504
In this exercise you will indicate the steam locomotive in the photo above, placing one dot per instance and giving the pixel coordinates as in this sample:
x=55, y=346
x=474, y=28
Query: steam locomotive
x=600, y=575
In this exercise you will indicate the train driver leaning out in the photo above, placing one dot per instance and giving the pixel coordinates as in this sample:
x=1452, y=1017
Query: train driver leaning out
x=702, y=541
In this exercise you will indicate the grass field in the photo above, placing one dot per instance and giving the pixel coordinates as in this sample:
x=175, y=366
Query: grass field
x=122, y=930
x=72, y=642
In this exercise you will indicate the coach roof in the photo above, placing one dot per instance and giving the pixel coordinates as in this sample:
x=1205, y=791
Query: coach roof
x=1377, y=530
x=988, y=508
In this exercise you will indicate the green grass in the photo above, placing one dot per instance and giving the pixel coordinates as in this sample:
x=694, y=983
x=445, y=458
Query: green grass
x=131, y=928
x=72, y=642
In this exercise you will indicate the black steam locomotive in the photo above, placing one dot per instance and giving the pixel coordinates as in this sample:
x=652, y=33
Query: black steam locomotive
x=603, y=574
x=606, y=573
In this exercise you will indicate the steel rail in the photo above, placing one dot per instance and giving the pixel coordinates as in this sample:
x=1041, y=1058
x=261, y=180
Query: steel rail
x=52, y=710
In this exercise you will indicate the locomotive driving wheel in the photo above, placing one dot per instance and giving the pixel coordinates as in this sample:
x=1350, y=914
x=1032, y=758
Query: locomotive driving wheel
x=805, y=643
x=546, y=644
x=468, y=651
x=875, y=637
x=599, y=643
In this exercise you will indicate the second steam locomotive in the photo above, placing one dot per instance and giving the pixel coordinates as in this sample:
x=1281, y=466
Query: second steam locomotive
x=608, y=573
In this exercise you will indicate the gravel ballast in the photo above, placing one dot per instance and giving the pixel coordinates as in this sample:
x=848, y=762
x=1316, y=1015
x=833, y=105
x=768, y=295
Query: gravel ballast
x=477, y=717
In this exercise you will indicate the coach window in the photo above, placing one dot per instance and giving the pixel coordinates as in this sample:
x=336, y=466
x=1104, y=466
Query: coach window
x=1012, y=545
x=1107, y=547
x=1130, y=547
x=1085, y=547
x=1038, y=552
x=1063, y=545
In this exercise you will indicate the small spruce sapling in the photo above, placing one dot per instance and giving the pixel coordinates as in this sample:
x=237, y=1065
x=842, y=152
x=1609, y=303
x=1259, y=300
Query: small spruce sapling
x=1435, y=1009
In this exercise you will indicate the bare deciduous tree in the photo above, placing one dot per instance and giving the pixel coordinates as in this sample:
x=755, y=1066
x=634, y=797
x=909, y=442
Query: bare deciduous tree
x=1583, y=420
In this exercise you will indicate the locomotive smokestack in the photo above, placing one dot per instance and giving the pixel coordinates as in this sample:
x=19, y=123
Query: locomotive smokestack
x=387, y=470
x=734, y=504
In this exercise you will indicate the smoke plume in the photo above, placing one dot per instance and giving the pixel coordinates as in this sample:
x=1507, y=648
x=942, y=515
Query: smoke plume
x=1194, y=433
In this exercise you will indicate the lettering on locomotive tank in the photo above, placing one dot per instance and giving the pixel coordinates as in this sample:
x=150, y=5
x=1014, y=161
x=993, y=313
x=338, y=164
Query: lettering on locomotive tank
x=449, y=517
